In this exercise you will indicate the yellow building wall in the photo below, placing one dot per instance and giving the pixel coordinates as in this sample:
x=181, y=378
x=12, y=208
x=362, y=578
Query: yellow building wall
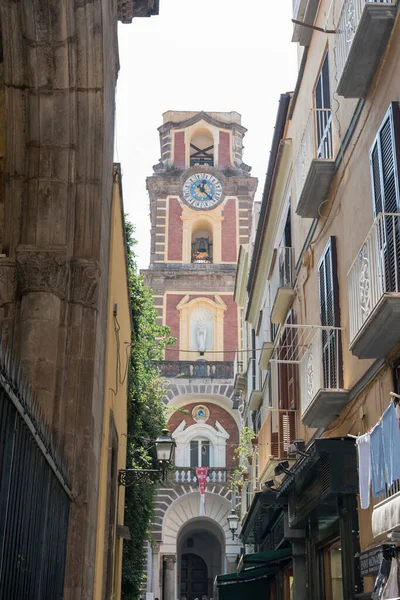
x=347, y=215
x=115, y=407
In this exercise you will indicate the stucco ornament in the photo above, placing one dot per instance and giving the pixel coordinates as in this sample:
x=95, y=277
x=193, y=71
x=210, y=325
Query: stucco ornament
x=365, y=284
x=200, y=414
x=42, y=270
x=310, y=373
x=85, y=276
x=350, y=21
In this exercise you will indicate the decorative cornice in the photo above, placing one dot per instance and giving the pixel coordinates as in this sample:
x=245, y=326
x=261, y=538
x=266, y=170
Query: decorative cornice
x=199, y=117
x=85, y=277
x=129, y=9
x=42, y=270
x=8, y=280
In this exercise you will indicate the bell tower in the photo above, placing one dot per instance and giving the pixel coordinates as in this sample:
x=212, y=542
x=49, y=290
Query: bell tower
x=201, y=196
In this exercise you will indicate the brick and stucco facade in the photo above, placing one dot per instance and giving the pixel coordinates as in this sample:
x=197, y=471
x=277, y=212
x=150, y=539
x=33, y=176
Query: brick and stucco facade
x=192, y=275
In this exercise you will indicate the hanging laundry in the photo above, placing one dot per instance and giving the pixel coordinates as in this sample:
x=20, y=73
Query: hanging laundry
x=377, y=461
x=381, y=580
x=391, y=443
x=364, y=468
x=392, y=587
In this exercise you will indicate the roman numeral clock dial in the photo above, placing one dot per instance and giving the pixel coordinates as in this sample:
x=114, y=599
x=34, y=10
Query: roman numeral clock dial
x=202, y=191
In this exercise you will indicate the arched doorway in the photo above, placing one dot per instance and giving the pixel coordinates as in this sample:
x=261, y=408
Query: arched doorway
x=200, y=553
x=194, y=577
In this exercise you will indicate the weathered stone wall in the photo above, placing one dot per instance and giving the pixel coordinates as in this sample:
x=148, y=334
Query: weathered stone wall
x=60, y=70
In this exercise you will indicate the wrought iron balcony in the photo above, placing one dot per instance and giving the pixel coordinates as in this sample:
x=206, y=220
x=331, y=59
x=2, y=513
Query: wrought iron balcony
x=317, y=351
x=374, y=286
x=276, y=434
x=264, y=340
x=315, y=165
x=362, y=34
x=183, y=475
x=281, y=285
x=304, y=11
x=386, y=514
x=201, y=369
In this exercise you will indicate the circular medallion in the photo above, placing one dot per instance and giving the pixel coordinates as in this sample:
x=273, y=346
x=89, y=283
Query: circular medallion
x=200, y=414
x=202, y=191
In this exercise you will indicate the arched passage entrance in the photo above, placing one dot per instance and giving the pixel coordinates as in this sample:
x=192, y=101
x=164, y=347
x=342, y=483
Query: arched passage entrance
x=200, y=557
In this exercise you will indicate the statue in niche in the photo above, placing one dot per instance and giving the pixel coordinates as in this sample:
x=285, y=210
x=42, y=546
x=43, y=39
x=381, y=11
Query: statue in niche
x=201, y=336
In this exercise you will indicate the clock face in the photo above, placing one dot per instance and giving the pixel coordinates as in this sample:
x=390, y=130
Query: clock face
x=202, y=191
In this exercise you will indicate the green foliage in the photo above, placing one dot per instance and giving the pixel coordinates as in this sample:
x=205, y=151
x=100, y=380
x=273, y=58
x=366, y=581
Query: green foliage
x=146, y=418
x=243, y=449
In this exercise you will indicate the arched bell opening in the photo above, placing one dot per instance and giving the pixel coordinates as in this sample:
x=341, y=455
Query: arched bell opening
x=202, y=242
x=202, y=148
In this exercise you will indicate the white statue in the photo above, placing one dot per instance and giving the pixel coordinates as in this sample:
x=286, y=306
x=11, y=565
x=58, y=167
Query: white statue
x=201, y=335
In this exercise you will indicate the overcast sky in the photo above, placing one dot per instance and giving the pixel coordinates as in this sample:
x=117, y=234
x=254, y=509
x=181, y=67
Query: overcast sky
x=211, y=55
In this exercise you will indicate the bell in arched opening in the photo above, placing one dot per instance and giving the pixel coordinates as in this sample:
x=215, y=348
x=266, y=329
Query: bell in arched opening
x=202, y=250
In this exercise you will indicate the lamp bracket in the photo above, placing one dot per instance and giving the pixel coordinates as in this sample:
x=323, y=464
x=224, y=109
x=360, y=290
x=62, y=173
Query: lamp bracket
x=128, y=477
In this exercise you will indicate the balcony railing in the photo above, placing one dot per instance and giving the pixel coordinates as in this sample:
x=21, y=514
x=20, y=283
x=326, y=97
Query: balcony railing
x=195, y=369
x=239, y=371
x=386, y=514
x=374, y=286
x=188, y=475
x=264, y=340
x=276, y=434
x=281, y=286
x=317, y=351
x=363, y=29
x=314, y=163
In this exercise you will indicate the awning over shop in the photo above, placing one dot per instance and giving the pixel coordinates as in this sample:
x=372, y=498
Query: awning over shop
x=255, y=568
x=329, y=468
x=263, y=505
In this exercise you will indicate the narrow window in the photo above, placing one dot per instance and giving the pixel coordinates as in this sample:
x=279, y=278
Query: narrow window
x=384, y=157
x=330, y=315
x=323, y=115
x=200, y=453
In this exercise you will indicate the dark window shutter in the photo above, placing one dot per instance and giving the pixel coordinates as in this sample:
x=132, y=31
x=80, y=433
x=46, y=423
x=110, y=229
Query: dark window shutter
x=330, y=316
x=194, y=454
x=288, y=372
x=384, y=157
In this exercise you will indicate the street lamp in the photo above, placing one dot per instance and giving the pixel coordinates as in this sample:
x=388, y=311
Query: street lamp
x=233, y=521
x=165, y=445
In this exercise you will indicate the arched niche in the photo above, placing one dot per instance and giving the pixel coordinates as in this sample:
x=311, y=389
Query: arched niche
x=201, y=331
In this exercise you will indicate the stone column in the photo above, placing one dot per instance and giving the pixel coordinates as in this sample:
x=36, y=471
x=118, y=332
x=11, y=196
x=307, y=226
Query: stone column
x=231, y=563
x=155, y=569
x=169, y=577
x=300, y=590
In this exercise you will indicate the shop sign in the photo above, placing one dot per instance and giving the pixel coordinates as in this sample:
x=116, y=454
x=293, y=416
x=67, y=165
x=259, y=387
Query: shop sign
x=370, y=560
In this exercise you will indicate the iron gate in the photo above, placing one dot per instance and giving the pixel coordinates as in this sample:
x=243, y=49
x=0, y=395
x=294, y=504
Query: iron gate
x=34, y=500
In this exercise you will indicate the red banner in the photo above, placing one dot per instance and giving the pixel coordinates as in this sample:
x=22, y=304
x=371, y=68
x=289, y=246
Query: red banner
x=201, y=474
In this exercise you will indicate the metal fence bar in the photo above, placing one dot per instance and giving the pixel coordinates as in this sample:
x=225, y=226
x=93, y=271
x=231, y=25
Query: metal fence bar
x=375, y=270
